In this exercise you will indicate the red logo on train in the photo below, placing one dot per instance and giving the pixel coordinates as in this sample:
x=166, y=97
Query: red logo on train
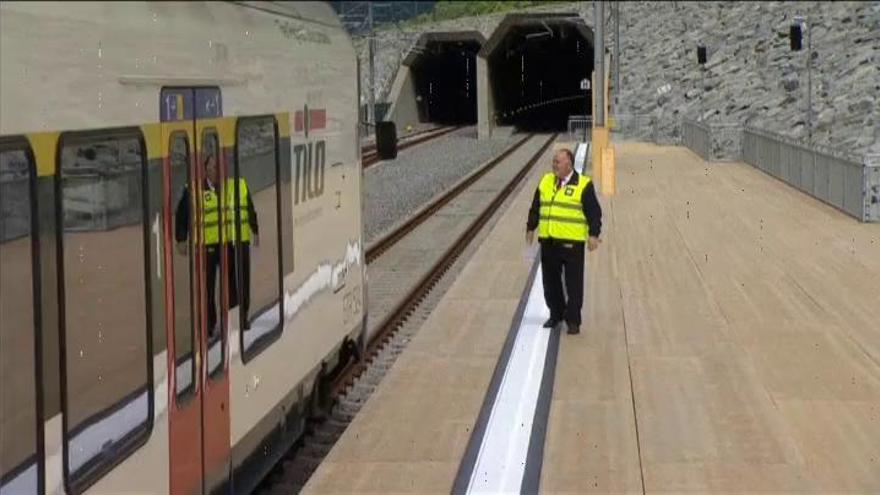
x=307, y=120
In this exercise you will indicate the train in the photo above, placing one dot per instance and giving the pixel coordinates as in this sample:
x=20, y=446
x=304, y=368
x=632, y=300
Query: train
x=182, y=266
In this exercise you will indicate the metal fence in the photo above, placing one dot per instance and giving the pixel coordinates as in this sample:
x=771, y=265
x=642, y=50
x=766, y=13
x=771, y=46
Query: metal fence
x=102, y=201
x=579, y=127
x=712, y=141
x=846, y=181
x=15, y=206
x=381, y=112
x=634, y=126
x=695, y=136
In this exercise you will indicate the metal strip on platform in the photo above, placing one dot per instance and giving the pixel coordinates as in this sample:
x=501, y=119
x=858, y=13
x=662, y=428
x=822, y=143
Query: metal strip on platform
x=505, y=451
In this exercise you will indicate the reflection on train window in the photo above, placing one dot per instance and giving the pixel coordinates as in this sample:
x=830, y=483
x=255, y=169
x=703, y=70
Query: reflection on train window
x=184, y=325
x=212, y=235
x=18, y=397
x=254, y=229
x=107, y=384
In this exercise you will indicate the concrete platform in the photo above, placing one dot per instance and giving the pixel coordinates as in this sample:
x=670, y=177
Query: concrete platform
x=730, y=344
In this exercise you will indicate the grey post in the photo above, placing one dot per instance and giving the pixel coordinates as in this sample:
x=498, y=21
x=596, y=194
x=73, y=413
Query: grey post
x=616, y=8
x=599, y=62
x=805, y=26
x=703, y=83
x=371, y=111
x=809, y=82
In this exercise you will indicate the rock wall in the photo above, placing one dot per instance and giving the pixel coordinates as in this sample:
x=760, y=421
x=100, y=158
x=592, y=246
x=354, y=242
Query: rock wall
x=751, y=77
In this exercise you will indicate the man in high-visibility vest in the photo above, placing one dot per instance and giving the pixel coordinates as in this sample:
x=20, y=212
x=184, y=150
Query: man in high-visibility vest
x=567, y=214
x=211, y=233
x=242, y=230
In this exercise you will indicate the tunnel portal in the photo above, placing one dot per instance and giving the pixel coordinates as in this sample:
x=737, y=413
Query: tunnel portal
x=536, y=66
x=445, y=79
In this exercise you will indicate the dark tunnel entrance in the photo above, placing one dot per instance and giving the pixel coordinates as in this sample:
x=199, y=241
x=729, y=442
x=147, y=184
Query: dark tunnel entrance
x=536, y=72
x=445, y=79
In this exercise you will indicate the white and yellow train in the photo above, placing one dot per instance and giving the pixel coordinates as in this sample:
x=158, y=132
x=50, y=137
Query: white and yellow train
x=111, y=380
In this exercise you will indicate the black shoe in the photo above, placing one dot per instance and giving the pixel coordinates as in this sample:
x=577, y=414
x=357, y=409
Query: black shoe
x=574, y=329
x=551, y=323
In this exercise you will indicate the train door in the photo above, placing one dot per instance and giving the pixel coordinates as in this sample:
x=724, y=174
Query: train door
x=196, y=265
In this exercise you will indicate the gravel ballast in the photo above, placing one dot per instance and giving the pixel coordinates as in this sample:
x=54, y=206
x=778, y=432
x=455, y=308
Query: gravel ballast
x=394, y=189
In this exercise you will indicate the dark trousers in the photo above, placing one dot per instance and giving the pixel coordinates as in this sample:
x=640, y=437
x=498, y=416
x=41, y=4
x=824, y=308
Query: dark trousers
x=560, y=259
x=212, y=265
x=241, y=264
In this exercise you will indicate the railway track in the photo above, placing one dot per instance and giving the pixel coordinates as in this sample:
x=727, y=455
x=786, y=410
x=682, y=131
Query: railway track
x=407, y=268
x=370, y=156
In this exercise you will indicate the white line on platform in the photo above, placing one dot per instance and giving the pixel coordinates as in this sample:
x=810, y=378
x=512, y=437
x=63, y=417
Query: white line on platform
x=580, y=157
x=501, y=461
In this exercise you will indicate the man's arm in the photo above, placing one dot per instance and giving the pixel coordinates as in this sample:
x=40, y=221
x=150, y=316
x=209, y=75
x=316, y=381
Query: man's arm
x=592, y=210
x=534, y=211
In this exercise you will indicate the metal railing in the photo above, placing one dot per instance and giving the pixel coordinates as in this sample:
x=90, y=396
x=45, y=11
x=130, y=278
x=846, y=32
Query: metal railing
x=15, y=220
x=712, y=141
x=367, y=128
x=102, y=201
x=847, y=181
x=638, y=126
x=695, y=136
x=382, y=108
x=579, y=127
x=634, y=126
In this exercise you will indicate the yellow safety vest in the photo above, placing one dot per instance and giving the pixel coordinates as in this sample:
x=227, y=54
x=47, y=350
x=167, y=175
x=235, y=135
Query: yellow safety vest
x=561, y=215
x=211, y=219
x=242, y=205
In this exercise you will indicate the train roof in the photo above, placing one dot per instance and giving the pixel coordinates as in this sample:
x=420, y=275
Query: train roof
x=79, y=65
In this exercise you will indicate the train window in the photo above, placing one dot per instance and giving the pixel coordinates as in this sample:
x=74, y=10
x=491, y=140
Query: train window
x=107, y=359
x=19, y=440
x=184, y=323
x=254, y=230
x=213, y=238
